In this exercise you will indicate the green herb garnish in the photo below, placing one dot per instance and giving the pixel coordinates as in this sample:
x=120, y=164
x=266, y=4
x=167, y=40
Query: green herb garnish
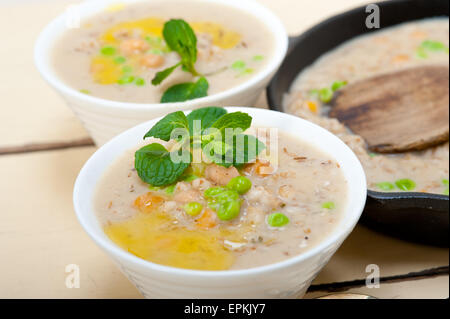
x=386, y=186
x=445, y=183
x=108, y=50
x=127, y=79
x=325, y=95
x=120, y=60
x=180, y=38
x=155, y=165
x=186, y=91
x=238, y=65
x=430, y=46
x=329, y=205
x=337, y=85
x=163, y=129
x=405, y=184
x=139, y=82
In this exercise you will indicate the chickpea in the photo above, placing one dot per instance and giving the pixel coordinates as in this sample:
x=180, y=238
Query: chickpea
x=133, y=46
x=152, y=61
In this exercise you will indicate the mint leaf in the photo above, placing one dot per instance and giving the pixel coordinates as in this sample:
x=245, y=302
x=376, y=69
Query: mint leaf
x=246, y=149
x=160, y=76
x=186, y=91
x=233, y=120
x=180, y=38
x=154, y=165
x=167, y=124
x=207, y=116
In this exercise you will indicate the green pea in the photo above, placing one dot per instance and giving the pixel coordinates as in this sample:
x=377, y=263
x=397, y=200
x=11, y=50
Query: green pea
x=120, y=60
x=445, y=183
x=139, y=82
x=156, y=51
x=108, y=50
x=229, y=210
x=325, y=95
x=240, y=184
x=373, y=154
x=213, y=191
x=433, y=45
x=338, y=84
x=127, y=79
x=277, y=220
x=405, y=184
x=193, y=208
x=421, y=53
x=329, y=205
x=258, y=57
x=246, y=71
x=385, y=186
x=170, y=189
x=227, y=196
x=85, y=91
x=238, y=65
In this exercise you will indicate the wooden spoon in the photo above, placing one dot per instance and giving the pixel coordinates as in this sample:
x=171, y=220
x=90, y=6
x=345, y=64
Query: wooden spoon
x=397, y=112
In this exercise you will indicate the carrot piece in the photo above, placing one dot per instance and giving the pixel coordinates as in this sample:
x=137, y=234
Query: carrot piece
x=312, y=106
x=207, y=220
x=148, y=202
x=400, y=58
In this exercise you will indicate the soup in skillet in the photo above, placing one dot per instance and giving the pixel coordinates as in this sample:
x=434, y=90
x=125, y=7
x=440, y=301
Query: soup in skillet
x=408, y=45
x=214, y=217
x=117, y=54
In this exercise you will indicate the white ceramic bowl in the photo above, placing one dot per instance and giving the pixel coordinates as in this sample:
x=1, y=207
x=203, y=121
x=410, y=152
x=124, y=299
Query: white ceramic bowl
x=105, y=118
x=289, y=278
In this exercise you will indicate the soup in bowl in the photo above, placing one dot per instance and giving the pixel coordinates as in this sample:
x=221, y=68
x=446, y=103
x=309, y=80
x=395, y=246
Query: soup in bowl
x=117, y=64
x=224, y=219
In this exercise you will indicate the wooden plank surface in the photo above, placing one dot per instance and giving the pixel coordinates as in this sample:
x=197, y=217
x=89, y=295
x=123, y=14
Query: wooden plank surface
x=39, y=234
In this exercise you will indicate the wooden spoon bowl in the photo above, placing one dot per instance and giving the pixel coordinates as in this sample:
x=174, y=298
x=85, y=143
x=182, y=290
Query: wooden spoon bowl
x=407, y=110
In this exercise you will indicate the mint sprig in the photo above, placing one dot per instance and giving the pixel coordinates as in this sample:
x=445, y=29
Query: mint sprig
x=154, y=163
x=180, y=38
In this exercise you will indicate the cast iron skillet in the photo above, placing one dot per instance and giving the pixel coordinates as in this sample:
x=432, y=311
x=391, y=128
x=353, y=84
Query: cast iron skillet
x=418, y=217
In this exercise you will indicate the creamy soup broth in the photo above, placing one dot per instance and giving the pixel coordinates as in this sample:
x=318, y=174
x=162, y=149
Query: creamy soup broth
x=400, y=47
x=308, y=187
x=116, y=54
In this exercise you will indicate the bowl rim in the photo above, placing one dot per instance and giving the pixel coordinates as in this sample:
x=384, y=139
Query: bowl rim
x=358, y=195
x=46, y=41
